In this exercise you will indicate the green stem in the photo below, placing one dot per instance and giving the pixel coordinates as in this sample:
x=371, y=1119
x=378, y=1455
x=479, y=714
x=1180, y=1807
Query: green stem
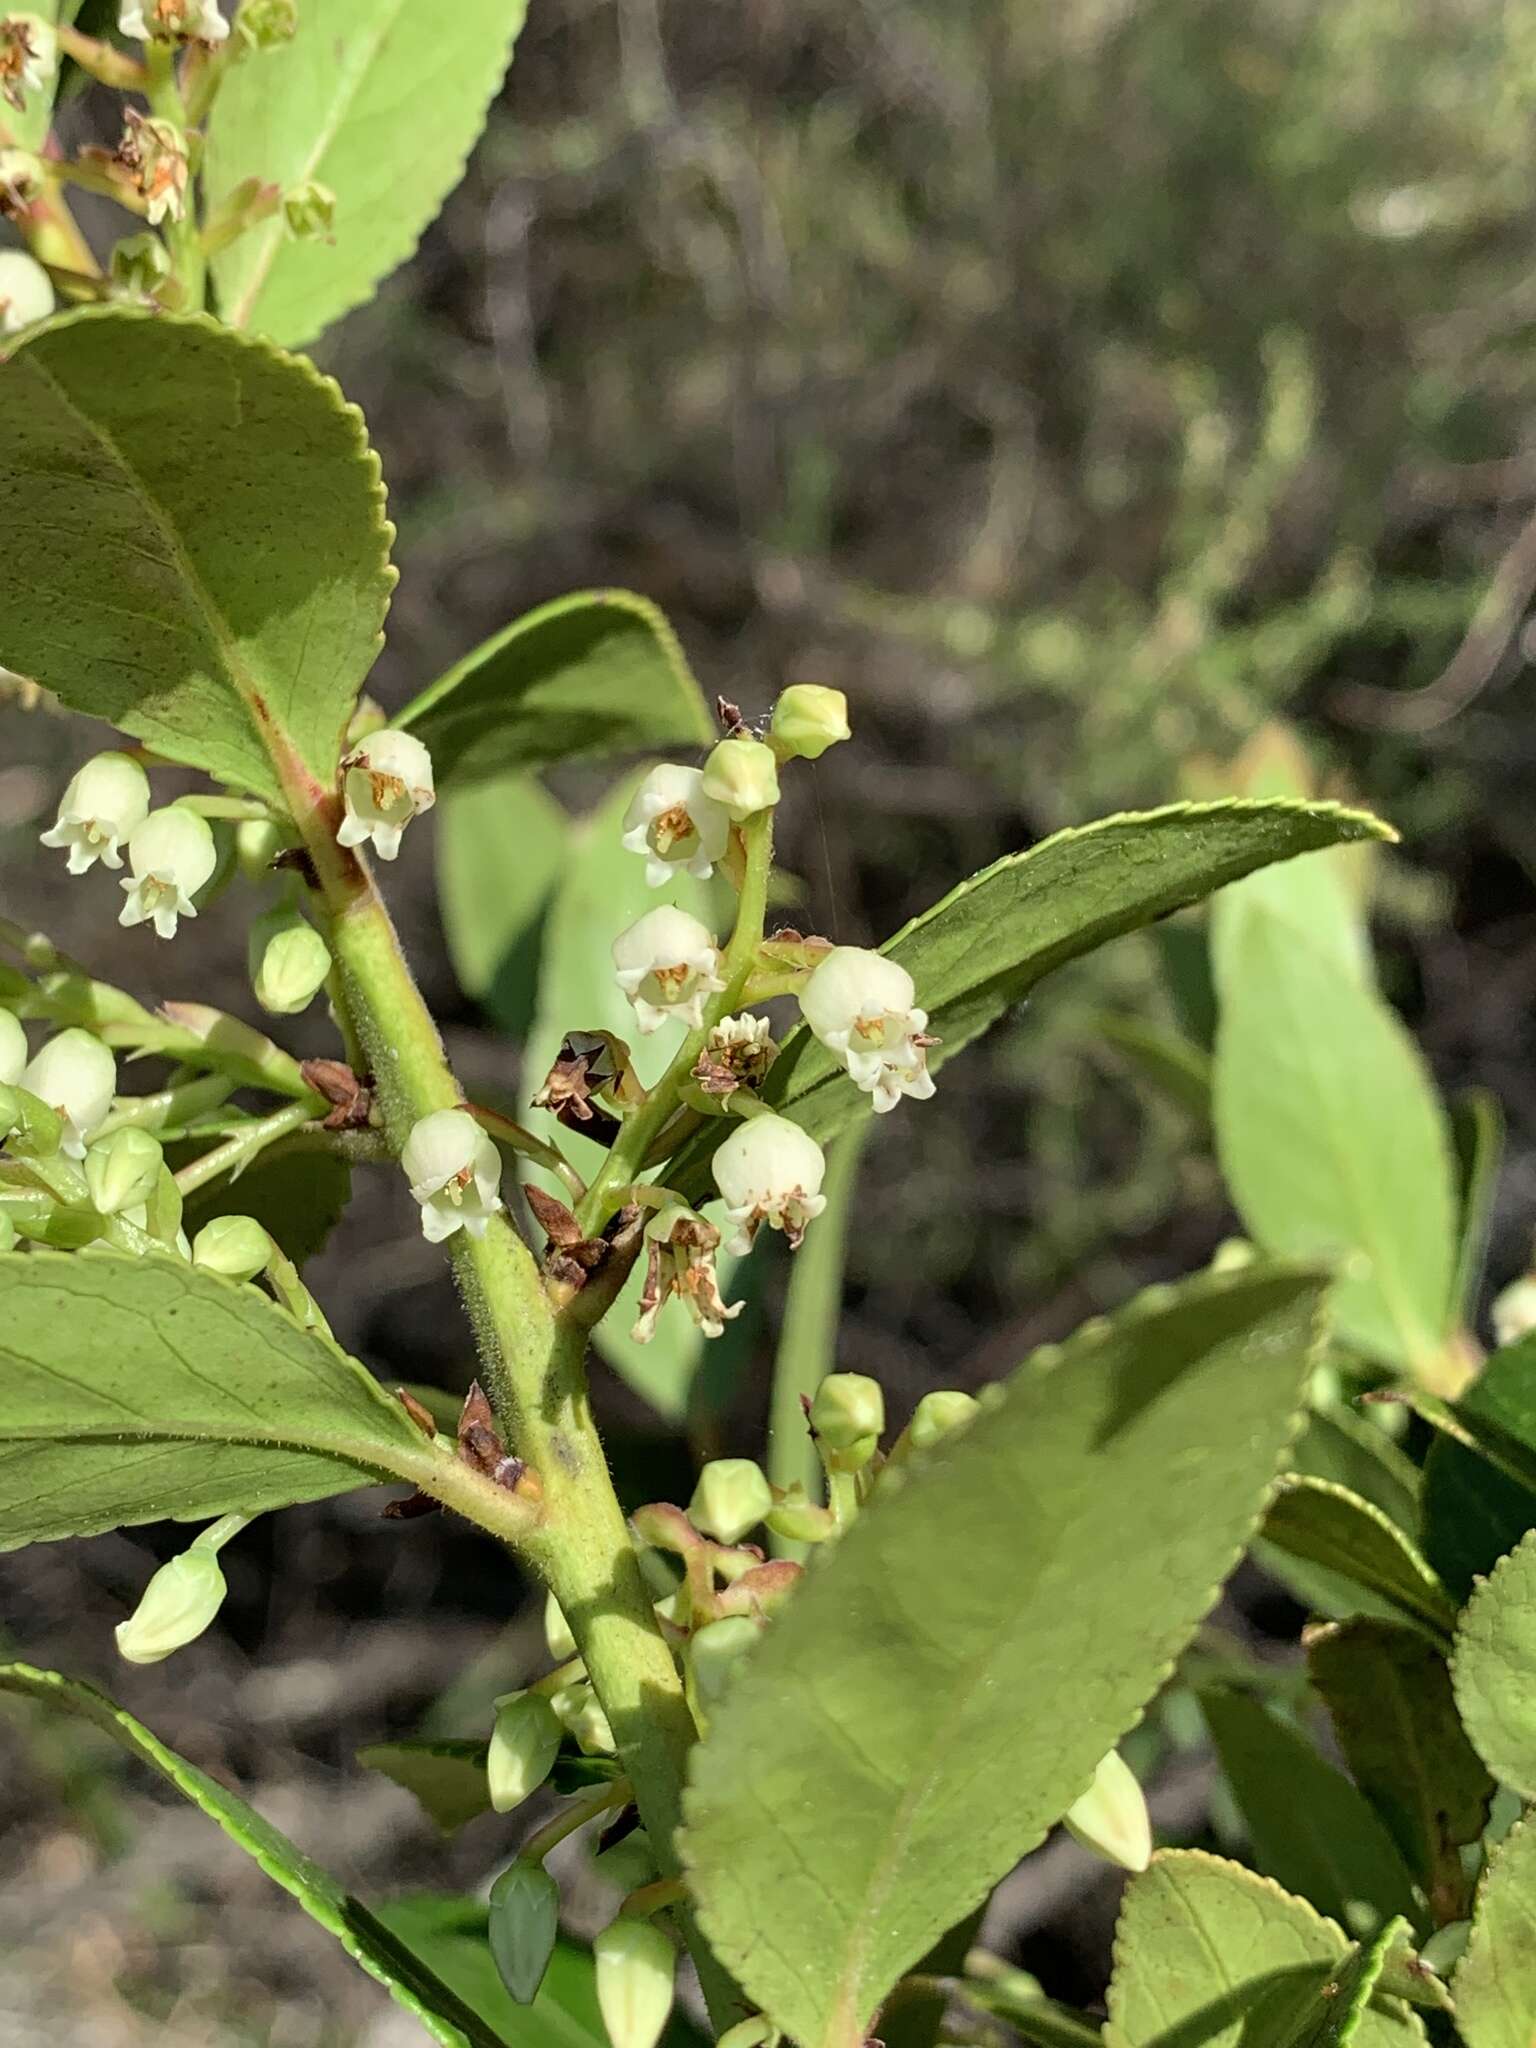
x=243, y=1146
x=189, y=264
x=633, y=1144
x=515, y=1138
x=584, y=1807
x=177, y=1105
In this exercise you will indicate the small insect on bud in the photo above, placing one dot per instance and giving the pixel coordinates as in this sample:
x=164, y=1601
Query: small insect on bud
x=636, y=1966
x=770, y=1171
x=742, y=776
x=154, y=154
x=578, y=1711
x=76, y=1077
x=1111, y=1818
x=29, y=56
x=172, y=21
x=288, y=962
x=235, y=1246
x=123, y=1171
x=178, y=1604
x=860, y=1005
x=26, y=291
x=1513, y=1313
x=13, y=1049
x=140, y=265
x=105, y=802
x=675, y=825
x=525, y=1740
x=524, y=1923
x=668, y=965
x=170, y=856
x=848, y=1414
x=309, y=211
x=807, y=720
x=680, y=1260
x=386, y=781
x=455, y=1174
x=714, y=1651
x=557, y=1631
x=731, y=1497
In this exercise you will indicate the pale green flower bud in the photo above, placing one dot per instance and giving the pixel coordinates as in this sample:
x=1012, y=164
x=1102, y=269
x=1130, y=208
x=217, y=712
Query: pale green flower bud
x=455, y=1174
x=104, y=803
x=557, y=1631
x=76, y=1077
x=1513, y=1313
x=288, y=962
x=799, y=1519
x=235, y=1246
x=714, y=1651
x=267, y=24
x=123, y=1171
x=747, y=2033
x=1111, y=1818
x=386, y=781
x=178, y=1604
x=937, y=1414
x=13, y=1049
x=578, y=1711
x=309, y=211
x=140, y=265
x=524, y=1922
x=26, y=291
x=636, y=1965
x=525, y=1740
x=742, y=776
x=628, y=1864
x=848, y=1413
x=1232, y=1255
x=731, y=1497
x=170, y=856
x=808, y=719
x=29, y=57
x=258, y=842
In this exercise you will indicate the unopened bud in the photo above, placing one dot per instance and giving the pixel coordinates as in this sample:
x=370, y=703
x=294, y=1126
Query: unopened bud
x=628, y=1864
x=178, y=1604
x=140, y=265
x=848, y=1414
x=743, y=776
x=13, y=1049
x=235, y=1246
x=1513, y=1313
x=798, y=1519
x=1232, y=1255
x=713, y=1653
x=557, y=1632
x=123, y=1171
x=267, y=24
x=731, y=1497
x=1111, y=1818
x=288, y=962
x=524, y=1923
x=75, y=1075
x=938, y=1414
x=636, y=1965
x=309, y=211
x=26, y=291
x=258, y=842
x=580, y=1714
x=748, y=2033
x=525, y=1741
x=808, y=719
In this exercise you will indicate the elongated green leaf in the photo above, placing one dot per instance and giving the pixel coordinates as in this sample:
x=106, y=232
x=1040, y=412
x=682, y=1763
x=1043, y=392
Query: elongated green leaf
x=381, y=101
x=1328, y=1525
x=1494, y=1667
x=943, y=1685
x=1388, y=1693
x=1344, y=2001
x=1340, y=1445
x=1174, y=1065
x=1333, y=1141
x=985, y=945
x=446, y=2017
x=1309, y=1828
x=1477, y=1127
x=598, y=672
x=231, y=596
x=1207, y=1955
x=499, y=851
x=445, y=1773
x=1014, y=1996
x=1495, y=1982
x=1480, y=1497
x=142, y=1388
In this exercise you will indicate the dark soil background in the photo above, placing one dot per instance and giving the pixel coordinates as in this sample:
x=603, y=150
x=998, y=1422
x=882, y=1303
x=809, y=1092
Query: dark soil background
x=1078, y=389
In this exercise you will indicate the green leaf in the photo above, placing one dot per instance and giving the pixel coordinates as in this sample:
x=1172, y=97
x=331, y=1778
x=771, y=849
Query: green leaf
x=1309, y=1828
x=1057, y=1552
x=1172, y=1064
x=377, y=99
x=297, y=1197
x=1477, y=1130
x=1328, y=1525
x=1333, y=1141
x=447, y=1775
x=1494, y=1667
x=228, y=589
x=1014, y=1996
x=1343, y=2002
x=598, y=672
x=1388, y=1694
x=499, y=850
x=985, y=945
x=1478, y=1502
x=1341, y=1445
x=143, y=1388
x=1495, y=1982
x=409, y=1981
x=1207, y=1955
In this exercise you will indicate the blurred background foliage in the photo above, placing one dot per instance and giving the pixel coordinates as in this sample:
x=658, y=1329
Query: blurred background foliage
x=1079, y=388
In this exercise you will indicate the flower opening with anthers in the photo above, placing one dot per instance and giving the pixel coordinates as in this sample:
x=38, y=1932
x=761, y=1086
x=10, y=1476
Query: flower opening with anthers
x=861, y=1006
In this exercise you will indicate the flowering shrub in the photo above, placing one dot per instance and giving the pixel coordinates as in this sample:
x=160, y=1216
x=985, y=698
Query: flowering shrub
x=822, y=1710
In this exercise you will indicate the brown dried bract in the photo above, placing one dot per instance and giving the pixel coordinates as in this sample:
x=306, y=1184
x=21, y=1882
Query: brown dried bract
x=585, y=1065
x=481, y=1448
x=351, y=1100
x=419, y=1413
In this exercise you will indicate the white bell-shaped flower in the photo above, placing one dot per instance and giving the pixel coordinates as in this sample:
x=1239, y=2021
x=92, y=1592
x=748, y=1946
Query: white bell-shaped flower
x=172, y=21
x=675, y=825
x=454, y=1171
x=76, y=1076
x=635, y=1968
x=26, y=291
x=170, y=856
x=668, y=965
x=386, y=781
x=770, y=1171
x=860, y=1005
x=105, y=802
x=29, y=56
x=13, y=1049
